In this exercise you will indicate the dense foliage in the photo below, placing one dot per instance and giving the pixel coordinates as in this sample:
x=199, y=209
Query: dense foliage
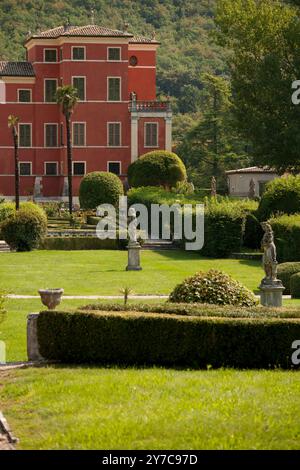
x=24, y=230
x=295, y=286
x=99, y=187
x=287, y=237
x=213, y=287
x=157, y=168
x=132, y=339
x=77, y=243
x=285, y=272
x=282, y=195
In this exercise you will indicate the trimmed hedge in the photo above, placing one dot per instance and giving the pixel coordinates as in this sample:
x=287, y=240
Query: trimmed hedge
x=78, y=243
x=24, y=230
x=295, y=286
x=287, y=237
x=100, y=187
x=136, y=339
x=282, y=195
x=285, y=272
x=253, y=231
x=157, y=168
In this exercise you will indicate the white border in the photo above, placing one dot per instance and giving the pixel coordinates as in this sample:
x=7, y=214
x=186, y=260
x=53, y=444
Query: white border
x=107, y=128
x=78, y=47
x=114, y=60
x=73, y=133
x=30, y=163
x=25, y=124
x=114, y=161
x=107, y=96
x=157, y=134
x=24, y=89
x=78, y=161
x=45, y=142
x=56, y=163
x=80, y=76
x=45, y=79
x=44, y=55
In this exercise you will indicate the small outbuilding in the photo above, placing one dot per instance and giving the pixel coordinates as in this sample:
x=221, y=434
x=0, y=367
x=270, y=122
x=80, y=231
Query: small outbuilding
x=251, y=181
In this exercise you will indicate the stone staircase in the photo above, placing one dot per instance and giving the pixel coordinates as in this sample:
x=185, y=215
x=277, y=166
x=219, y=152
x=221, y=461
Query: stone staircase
x=4, y=247
x=158, y=245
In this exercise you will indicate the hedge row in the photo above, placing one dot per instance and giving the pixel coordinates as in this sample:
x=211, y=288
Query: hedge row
x=131, y=339
x=287, y=237
x=78, y=243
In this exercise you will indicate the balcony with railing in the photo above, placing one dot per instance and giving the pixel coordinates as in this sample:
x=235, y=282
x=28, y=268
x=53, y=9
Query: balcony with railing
x=149, y=106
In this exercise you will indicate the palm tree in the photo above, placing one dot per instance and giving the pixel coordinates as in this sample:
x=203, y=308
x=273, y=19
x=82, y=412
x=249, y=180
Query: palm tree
x=67, y=97
x=12, y=124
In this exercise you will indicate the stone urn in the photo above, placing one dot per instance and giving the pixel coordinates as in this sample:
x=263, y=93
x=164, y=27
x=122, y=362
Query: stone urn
x=51, y=297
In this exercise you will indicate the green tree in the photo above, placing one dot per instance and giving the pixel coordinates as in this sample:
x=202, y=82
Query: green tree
x=67, y=97
x=264, y=36
x=13, y=124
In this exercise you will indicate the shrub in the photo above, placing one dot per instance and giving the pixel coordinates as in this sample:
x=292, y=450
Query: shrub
x=77, y=243
x=285, y=272
x=282, y=195
x=287, y=237
x=7, y=209
x=295, y=286
x=133, y=339
x=253, y=232
x=158, y=168
x=24, y=230
x=213, y=287
x=98, y=188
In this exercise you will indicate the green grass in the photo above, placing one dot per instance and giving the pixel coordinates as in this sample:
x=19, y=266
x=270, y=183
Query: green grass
x=103, y=271
x=91, y=408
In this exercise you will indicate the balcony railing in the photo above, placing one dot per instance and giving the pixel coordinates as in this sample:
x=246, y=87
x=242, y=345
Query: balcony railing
x=149, y=106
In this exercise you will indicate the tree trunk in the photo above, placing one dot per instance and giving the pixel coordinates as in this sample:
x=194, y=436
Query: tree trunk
x=69, y=155
x=17, y=175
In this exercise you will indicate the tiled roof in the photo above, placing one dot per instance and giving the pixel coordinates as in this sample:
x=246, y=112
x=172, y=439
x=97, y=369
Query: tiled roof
x=251, y=169
x=143, y=40
x=88, y=30
x=16, y=69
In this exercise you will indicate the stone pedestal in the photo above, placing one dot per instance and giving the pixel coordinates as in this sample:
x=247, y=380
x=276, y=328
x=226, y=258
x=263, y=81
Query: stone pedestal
x=33, y=351
x=133, y=257
x=271, y=293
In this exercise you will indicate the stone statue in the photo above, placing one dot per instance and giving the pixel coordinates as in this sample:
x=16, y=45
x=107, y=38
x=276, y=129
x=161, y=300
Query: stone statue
x=252, y=189
x=269, y=257
x=213, y=187
x=132, y=227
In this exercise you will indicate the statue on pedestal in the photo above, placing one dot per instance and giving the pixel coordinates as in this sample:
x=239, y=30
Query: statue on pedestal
x=252, y=189
x=132, y=227
x=133, y=245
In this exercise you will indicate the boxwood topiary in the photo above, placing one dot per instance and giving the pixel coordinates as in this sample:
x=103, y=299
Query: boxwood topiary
x=213, y=287
x=99, y=187
x=295, y=286
x=282, y=195
x=157, y=168
x=24, y=230
x=285, y=272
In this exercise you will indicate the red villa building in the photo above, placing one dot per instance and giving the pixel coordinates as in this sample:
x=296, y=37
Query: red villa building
x=117, y=119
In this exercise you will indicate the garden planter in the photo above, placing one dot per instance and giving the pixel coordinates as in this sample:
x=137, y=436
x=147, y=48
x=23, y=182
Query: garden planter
x=51, y=297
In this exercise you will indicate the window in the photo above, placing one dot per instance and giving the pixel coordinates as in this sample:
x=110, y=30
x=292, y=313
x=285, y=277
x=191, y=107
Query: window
x=24, y=96
x=25, y=135
x=25, y=168
x=151, y=134
x=78, y=168
x=50, y=55
x=114, y=134
x=78, y=53
x=79, y=133
x=50, y=135
x=114, y=167
x=79, y=83
x=51, y=168
x=114, y=53
x=50, y=90
x=114, y=89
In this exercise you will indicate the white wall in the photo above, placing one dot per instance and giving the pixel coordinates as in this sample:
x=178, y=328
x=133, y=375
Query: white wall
x=239, y=183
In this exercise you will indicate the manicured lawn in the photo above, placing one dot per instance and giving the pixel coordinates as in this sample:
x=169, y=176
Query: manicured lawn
x=103, y=271
x=91, y=408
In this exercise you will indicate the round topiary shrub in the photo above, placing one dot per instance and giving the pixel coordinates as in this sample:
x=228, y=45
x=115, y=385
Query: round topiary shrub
x=158, y=168
x=98, y=188
x=213, y=287
x=282, y=195
x=25, y=228
x=285, y=271
x=295, y=286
